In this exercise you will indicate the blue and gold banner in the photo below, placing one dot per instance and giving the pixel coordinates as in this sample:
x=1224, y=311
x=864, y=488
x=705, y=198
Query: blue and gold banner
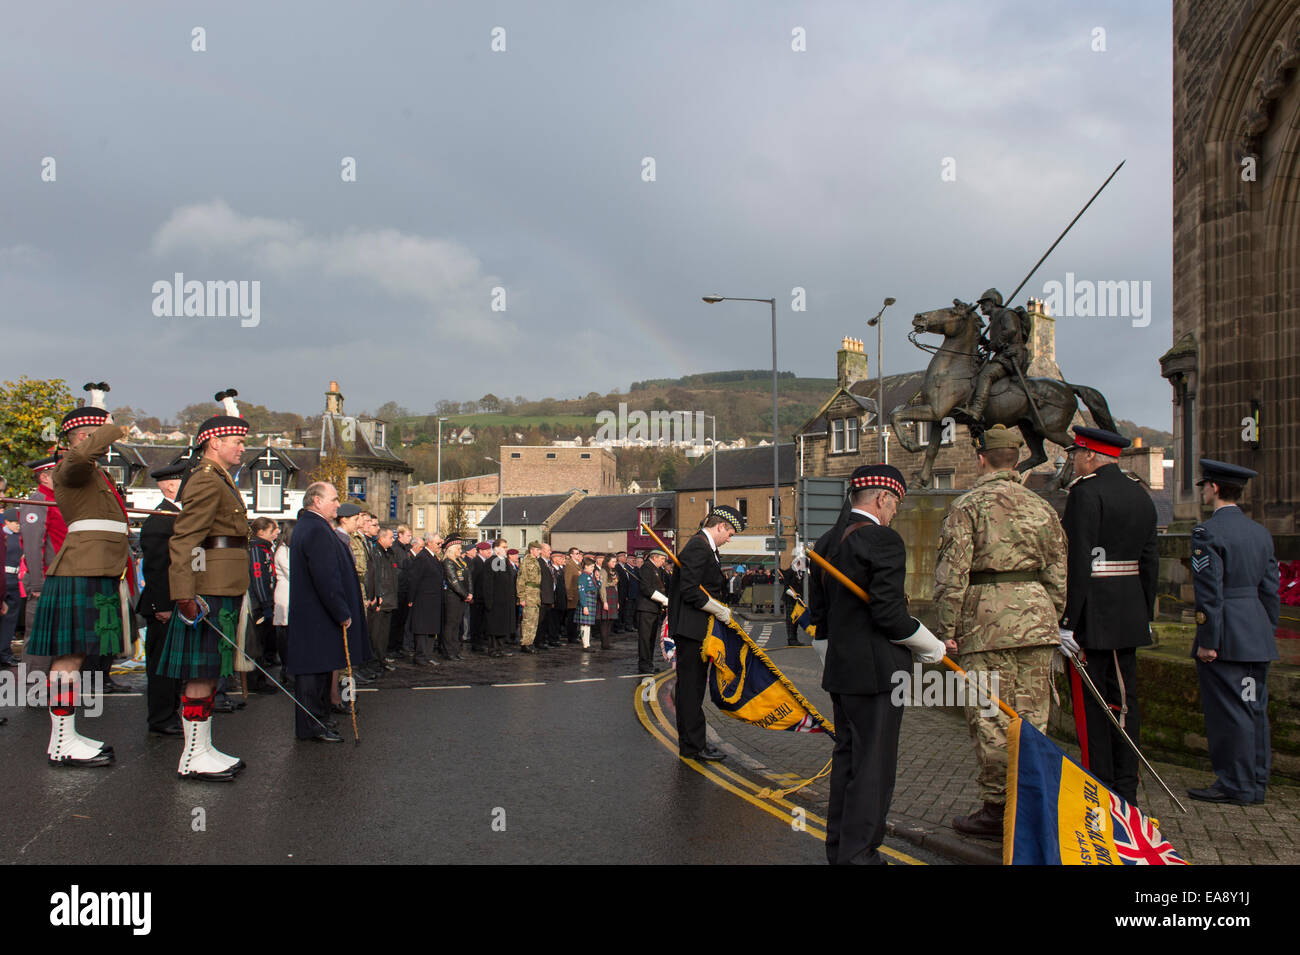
x=801, y=617
x=1059, y=814
x=744, y=683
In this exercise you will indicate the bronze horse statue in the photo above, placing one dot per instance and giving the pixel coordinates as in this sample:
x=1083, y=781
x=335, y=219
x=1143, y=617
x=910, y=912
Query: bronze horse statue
x=950, y=380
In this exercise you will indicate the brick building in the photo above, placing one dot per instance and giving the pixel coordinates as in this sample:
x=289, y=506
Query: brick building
x=543, y=469
x=475, y=495
x=1236, y=308
x=745, y=483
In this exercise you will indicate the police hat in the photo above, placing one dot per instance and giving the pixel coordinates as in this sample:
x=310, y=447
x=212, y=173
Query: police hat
x=11, y=514
x=884, y=476
x=41, y=464
x=1220, y=472
x=999, y=436
x=1100, y=440
x=169, y=471
x=349, y=510
x=730, y=515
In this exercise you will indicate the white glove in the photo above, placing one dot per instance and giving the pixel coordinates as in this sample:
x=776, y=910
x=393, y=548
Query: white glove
x=720, y=611
x=924, y=645
x=821, y=644
x=1069, y=646
x=659, y=598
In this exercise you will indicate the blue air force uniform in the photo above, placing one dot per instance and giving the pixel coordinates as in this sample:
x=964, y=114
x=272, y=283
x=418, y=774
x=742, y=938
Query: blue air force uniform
x=1235, y=575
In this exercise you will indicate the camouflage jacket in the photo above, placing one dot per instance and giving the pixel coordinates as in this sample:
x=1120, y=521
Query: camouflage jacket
x=998, y=526
x=529, y=581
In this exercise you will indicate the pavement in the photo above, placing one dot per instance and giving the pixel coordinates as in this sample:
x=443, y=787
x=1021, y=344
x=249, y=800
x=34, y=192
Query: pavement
x=937, y=769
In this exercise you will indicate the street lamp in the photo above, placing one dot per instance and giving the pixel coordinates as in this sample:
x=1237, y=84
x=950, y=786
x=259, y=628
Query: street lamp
x=437, y=518
x=776, y=447
x=880, y=376
x=501, y=503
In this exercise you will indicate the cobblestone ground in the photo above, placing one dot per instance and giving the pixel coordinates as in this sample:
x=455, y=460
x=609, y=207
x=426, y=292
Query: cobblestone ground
x=936, y=779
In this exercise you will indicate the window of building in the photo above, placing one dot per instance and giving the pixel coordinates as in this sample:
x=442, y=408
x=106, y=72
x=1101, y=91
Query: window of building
x=851, y=435
x=270, y=495
x=116, y=474
x=419, y=519
x=943, y=480
x=379, y=435
x=357, y=488
x=584, y=455
x=771, y=510
x=837, y=436
x=550, y=454
x=514, y=454
x=742, y=505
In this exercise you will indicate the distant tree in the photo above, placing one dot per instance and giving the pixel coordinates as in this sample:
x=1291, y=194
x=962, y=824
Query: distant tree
x=30, y=412
x=391, y=411
x=668, y=476
x=333, y=469
x=490, y=403
x=147, y=424
x=456, y=511
x=445, y=407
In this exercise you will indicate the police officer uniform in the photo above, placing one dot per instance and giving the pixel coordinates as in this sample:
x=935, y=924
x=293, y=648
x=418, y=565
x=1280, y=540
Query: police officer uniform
x=690, y=610
x=1110, y=522
x=208, y=554
x=1235, y=575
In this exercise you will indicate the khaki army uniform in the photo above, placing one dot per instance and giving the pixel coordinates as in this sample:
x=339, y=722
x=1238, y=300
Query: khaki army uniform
x=999, y=592
x=359, y=557
x=528, y=589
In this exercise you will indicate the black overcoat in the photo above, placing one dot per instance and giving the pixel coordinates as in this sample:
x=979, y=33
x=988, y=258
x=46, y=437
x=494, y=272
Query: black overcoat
x=425, y=582
x=323, y=592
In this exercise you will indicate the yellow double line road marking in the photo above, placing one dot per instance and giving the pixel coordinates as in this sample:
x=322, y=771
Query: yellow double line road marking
x=731, y=781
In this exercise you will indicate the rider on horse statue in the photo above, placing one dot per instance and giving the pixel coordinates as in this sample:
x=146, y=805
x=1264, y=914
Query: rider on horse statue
x=1008, y=354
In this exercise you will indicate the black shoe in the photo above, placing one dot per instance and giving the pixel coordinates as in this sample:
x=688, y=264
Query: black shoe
x=8, y=661
x=223, y=706
x=329, y=736
x=332, y=724
x=527, y=649
x=223, y=776
x=112, y=687
x=168, y=729
x=102, y=758
x=1214, y=794
x=362, y=678
x=708, y=755
x=340, y=708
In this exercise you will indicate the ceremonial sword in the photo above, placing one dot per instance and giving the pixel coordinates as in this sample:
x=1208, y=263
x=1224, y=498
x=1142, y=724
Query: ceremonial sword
x=1114, y=722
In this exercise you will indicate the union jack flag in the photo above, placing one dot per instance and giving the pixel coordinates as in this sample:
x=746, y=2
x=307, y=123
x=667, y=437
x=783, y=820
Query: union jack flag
x=1137, y=838
x=667, y=645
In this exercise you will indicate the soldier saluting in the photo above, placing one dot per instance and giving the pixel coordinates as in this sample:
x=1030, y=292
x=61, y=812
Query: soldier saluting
x=1236, y=576
x=209, y=563
x=80, y=611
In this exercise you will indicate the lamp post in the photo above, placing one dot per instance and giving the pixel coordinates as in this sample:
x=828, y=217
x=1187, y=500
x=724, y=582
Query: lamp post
x=437, y=518
x=776, y=447
x=501, y=503
x=714, y=421
x=878, y=321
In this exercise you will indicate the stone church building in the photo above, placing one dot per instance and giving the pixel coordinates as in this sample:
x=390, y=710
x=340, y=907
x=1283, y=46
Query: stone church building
x=1234, y=367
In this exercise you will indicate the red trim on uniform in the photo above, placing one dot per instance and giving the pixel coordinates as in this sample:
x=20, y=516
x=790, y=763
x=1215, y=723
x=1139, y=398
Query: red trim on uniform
x=877, y=480
x=223, y=431
x=1080, y=720
x=1101, y=447
x=197, y=709
x=63, y=695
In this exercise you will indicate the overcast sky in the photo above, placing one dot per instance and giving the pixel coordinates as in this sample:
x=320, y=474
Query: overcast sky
x=524, y=170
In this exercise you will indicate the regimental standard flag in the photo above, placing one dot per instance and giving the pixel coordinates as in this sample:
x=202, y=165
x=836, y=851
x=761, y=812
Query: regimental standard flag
x=801, y=617
x=667, y=645
x=745, y=683
x=1059, y=814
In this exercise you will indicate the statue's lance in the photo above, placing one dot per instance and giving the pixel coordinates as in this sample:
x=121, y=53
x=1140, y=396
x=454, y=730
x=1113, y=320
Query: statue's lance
x=1012, y=297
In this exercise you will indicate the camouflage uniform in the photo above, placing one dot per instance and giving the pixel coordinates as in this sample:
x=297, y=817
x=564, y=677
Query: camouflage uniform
x=528, y=589
x=360, y=552
x=1007, y=627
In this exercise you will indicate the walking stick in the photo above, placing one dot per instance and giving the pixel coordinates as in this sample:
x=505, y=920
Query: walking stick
x=352, y=686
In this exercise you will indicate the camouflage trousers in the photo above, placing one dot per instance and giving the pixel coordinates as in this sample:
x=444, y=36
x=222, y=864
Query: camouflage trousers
x=528, y=626
x=1024, y=683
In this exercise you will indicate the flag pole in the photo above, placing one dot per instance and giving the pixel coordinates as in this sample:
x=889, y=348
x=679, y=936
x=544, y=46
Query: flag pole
x=857, y=591
x=754, y=648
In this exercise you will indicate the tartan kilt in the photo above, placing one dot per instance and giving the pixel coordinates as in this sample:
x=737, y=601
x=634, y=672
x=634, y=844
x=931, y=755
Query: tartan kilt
x=75, y=616
x=196, y=652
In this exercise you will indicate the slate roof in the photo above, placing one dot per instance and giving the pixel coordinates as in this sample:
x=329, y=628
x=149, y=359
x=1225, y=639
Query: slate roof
x=608, y=512
x=745, y=467
x=359, y=450
x=538, y=506
x=899, y=390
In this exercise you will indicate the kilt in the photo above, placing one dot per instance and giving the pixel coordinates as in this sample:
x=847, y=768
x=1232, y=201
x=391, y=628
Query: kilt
x=610, y=610
x=196, y=652
x=77, y=615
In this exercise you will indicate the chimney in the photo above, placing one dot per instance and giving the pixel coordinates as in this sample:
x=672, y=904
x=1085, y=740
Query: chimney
x=850, y=363
x=1042, y=334
x=1137, y=442
x=334, y=399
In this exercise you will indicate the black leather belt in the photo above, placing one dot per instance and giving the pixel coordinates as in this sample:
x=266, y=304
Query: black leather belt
x=219, y=543
x=1002, y=576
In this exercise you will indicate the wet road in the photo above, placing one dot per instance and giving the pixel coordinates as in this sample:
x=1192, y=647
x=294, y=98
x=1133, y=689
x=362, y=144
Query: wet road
x=466, y=764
